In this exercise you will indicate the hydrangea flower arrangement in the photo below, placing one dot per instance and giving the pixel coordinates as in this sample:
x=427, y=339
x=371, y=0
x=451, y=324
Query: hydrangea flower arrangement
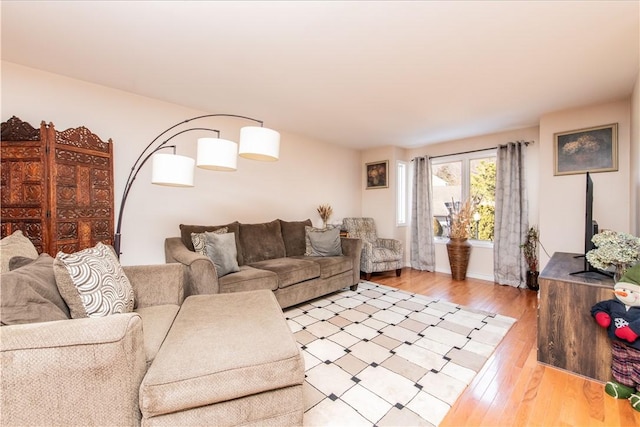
x=614, y=249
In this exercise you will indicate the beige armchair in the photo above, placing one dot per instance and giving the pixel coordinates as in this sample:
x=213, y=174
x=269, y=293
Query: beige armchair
x=378, y=254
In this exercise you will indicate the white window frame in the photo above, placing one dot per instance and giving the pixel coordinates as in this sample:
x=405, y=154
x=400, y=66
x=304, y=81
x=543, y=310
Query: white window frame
x=402, y=204
x=465, y=158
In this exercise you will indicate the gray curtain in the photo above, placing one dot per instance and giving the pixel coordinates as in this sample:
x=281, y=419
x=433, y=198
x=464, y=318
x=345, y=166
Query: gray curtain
x=509, y=267
x=422, y=247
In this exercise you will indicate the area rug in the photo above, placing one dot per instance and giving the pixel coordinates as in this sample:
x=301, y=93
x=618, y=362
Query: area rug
x=385, y=357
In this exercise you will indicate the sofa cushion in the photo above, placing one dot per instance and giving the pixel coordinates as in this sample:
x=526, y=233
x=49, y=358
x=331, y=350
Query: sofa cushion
x=186, y=230
x=194, y=369
x=15, y=244
x=331, y=265
x=323, y=241
x=92, y=282
x=290, y=270
x=156, y=322
x=248, y=279
x=221, y=250
x=293, y=235
x=261, y=241
x=30, y=295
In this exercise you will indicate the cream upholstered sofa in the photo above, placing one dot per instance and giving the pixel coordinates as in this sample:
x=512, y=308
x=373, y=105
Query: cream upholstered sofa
x=271, y=256
x=205, y=360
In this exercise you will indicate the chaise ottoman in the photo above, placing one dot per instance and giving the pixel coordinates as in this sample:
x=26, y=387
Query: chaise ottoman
x=229, y=359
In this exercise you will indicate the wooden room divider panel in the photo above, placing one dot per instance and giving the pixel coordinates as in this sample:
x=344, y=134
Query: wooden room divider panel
x=57, y=187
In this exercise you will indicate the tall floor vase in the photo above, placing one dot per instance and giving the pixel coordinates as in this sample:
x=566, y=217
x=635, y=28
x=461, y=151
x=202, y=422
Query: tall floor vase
x=458, y=251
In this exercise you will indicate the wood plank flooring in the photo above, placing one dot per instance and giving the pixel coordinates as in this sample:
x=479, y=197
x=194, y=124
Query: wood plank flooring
x=513, y=389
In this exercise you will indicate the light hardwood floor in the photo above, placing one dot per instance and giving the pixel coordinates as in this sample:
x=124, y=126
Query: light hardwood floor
x=513, y=389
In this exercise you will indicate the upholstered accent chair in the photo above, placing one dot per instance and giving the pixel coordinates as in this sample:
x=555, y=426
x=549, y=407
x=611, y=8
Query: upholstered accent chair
x=378, y=254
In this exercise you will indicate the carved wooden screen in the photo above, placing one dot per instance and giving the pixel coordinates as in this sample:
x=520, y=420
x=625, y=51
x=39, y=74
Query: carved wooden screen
x=82, y=193
x=57, y=187
x=24, y=182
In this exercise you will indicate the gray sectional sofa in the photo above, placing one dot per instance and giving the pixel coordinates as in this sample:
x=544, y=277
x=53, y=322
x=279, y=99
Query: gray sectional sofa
x=223, y=360
x=270, y=256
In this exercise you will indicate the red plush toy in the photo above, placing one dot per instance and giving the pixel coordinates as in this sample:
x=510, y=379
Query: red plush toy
x=621, y=318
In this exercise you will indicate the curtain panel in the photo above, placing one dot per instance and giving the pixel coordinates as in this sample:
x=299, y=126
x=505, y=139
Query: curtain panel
x=511, y=216
x=422, y=247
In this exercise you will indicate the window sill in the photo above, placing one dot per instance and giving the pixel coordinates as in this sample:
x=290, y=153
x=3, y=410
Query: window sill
x=474, y=243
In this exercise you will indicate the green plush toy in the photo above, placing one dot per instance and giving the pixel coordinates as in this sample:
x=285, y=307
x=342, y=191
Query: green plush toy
x=621, y=317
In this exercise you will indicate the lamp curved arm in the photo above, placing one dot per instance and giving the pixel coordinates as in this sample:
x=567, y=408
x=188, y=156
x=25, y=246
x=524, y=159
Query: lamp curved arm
x=145, y=155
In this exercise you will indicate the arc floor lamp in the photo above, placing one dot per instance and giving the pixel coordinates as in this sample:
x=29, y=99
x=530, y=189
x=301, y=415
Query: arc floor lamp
x=256, y=143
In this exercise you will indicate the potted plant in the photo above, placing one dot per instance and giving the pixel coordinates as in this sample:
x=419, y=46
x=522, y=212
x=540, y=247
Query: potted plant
x=530, y=252
x=458, y=247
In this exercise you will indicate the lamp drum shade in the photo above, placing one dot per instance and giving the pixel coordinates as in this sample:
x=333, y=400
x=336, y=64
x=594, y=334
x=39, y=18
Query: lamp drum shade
x=217, y=154
x=172, y=170
x=259, y=143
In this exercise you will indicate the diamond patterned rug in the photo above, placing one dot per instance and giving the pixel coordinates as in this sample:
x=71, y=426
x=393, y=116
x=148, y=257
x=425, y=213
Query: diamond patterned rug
x=385, y=357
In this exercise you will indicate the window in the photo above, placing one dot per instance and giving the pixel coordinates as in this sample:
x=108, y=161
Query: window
x=401, y=193
x=456, y=178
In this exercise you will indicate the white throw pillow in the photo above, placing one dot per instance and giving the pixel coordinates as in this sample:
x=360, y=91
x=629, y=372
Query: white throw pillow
x=92, y=282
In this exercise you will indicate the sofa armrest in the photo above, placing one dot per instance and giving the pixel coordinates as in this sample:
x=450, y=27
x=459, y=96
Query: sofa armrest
x=201, y=275
x=352, y=248
x=157, y=284
x=393, y=244
x=72, y=372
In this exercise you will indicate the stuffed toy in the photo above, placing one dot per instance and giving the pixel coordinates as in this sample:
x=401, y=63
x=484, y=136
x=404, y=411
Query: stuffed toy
x=621, y=318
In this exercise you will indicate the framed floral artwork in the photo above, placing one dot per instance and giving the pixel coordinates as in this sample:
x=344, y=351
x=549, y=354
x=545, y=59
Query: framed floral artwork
x=586, y=150
x=377, y=174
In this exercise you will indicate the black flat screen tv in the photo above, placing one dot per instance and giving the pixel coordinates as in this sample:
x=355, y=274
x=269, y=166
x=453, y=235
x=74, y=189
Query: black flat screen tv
x=590, y=229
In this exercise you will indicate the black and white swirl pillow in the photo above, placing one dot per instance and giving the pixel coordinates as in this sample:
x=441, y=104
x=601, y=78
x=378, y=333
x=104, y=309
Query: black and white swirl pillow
x=92, y=282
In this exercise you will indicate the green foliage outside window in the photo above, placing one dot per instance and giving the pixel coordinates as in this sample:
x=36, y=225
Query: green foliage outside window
x=483, y=185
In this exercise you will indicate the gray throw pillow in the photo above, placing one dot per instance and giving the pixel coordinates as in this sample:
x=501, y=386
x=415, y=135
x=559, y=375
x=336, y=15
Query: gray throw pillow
x=15, y=244
x=92, y=282
x=199, y=240
x=323, y=242
x=30, y=295
x=221, y=249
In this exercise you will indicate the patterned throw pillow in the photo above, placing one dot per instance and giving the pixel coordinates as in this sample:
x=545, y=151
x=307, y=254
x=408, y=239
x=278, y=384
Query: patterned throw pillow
x=323, y=241
x=198, y=240
x=92, y=282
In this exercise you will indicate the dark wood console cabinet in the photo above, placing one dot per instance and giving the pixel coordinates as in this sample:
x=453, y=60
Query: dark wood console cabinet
x=57, y=186
x=568, y=337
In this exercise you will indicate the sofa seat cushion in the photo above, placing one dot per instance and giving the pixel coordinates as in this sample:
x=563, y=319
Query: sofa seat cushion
x=290, y=270
x=248, y=279
x=381, y=254
x=222, y=347
x=331, y=265
x=156, y=322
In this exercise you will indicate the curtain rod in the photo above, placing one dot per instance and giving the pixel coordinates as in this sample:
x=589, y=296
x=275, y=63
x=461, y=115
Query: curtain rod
x=526, y=143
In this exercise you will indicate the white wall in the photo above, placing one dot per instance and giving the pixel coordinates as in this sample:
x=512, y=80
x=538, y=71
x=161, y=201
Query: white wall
x=562, y=198
x=635, y=158
x=309, y=173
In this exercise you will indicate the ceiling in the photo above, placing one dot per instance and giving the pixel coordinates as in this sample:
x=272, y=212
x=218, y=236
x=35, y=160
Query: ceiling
x=355, y=73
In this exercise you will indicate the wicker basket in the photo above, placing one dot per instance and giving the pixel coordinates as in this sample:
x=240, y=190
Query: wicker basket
x=458, y=251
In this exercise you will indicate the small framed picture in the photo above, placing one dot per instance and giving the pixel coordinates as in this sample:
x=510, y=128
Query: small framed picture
x=377, y=175
x=586, y=150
